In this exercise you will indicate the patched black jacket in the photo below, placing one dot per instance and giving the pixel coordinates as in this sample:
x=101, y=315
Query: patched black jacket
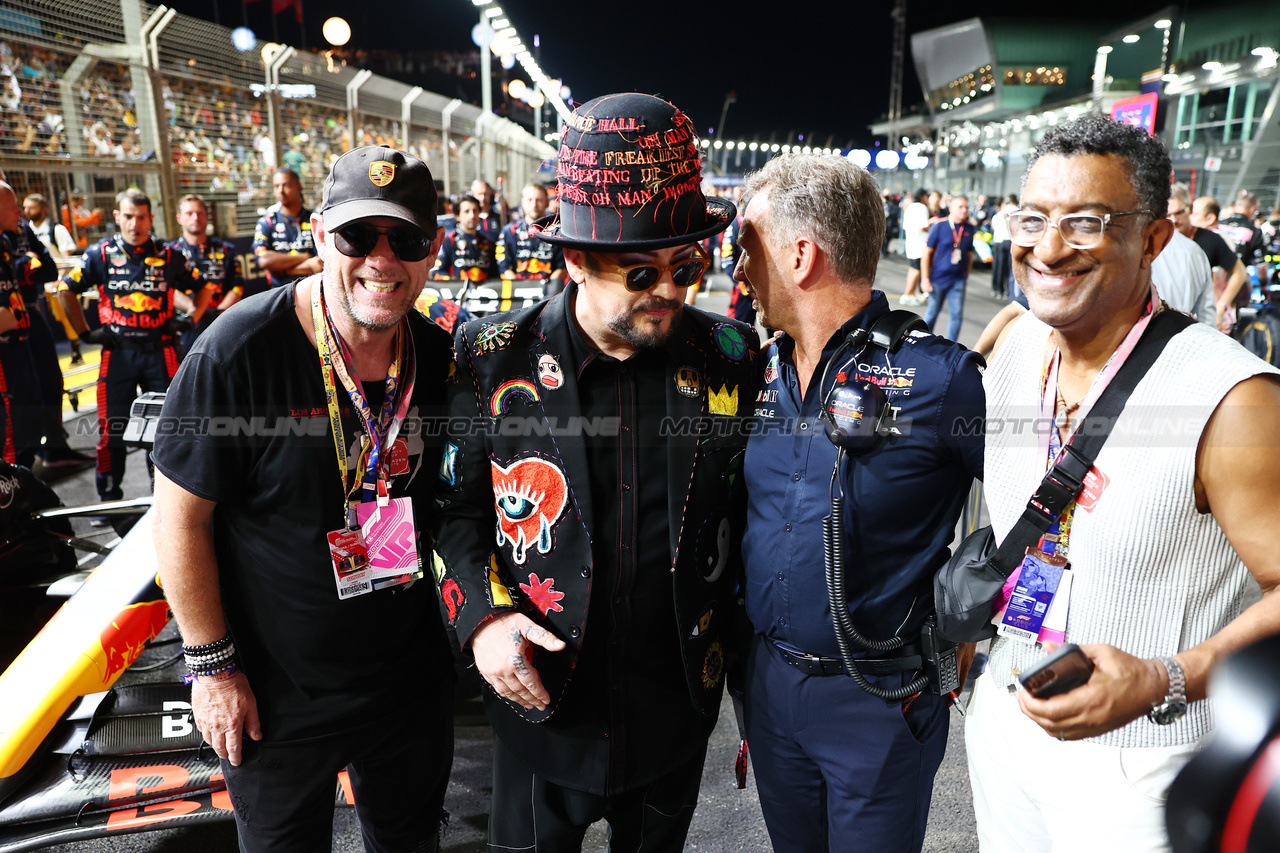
x=546, y=529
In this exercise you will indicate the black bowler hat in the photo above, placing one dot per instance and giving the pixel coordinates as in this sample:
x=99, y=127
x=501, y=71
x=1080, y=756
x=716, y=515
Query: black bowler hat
x=377, y=180
x=630, y=179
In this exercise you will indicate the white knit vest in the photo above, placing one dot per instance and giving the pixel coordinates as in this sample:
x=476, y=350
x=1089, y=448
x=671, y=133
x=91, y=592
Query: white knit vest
x=1152, y=576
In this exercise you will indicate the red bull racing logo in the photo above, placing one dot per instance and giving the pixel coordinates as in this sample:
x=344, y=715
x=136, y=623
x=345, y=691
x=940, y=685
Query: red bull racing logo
x=138, y=302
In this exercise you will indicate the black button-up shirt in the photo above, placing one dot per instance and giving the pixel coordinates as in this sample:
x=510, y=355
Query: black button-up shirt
x=902, y=500
x=627, y=717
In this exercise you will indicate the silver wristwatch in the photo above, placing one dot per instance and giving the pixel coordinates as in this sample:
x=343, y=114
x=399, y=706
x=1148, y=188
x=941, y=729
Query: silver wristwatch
x=1175, y=703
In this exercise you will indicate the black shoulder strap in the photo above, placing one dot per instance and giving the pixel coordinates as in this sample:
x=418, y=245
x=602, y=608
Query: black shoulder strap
x=1063, y=482
x=891, y=329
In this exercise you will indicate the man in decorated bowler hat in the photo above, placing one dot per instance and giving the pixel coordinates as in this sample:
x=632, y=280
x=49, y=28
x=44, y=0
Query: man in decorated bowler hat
x=592, y=512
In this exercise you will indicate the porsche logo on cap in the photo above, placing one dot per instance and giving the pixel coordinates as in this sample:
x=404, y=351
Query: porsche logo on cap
x=381, y=172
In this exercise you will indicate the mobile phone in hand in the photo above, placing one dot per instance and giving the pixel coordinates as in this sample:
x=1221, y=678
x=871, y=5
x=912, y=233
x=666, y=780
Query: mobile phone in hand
x=1060, y=672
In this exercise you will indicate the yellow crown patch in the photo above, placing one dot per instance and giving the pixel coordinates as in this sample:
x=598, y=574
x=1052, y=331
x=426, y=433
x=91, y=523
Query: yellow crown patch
x=724, y=401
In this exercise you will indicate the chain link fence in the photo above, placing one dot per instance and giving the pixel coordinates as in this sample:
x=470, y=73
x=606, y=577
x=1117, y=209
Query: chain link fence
x=100, y=95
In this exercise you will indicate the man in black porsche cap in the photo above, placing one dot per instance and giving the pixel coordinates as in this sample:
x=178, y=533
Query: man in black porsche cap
x=291, y=497
x=589, y=533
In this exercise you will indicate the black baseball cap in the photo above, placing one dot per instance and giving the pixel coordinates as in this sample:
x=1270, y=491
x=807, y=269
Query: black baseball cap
x=377, y=180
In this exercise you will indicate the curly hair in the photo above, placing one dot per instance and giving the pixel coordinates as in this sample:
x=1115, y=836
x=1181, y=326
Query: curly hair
x=829, y=199
x=1149, y=166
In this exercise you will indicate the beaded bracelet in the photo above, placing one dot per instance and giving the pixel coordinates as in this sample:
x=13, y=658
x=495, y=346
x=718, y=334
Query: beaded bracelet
x=214, y=675
x=216, y=645
x=227, y=652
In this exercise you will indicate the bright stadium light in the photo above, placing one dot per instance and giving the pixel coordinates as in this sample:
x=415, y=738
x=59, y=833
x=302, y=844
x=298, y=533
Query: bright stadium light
x=1163, y=24
x=886, y=159
x=1131, y=38
x=753, y=146
x=336, y=32
x=243, y=39
x=860, y=157
x=516, y=88
x=718, y=144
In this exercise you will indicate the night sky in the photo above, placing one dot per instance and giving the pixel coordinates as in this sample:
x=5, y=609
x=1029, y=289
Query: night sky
x=817, y=68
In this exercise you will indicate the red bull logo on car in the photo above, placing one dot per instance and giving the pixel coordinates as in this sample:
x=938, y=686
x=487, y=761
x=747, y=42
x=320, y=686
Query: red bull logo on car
x=129, y=632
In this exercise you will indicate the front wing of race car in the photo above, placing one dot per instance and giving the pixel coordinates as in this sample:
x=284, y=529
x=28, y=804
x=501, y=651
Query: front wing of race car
x=87, y=748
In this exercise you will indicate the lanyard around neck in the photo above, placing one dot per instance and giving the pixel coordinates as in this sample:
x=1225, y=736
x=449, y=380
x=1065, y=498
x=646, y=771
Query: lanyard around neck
x=335, y=360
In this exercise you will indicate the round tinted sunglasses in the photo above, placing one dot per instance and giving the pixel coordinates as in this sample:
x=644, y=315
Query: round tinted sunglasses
x=641, y=277
x=358, y=239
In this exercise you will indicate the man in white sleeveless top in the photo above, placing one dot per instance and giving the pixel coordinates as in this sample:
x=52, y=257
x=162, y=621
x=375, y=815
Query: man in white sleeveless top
x=1168, y=538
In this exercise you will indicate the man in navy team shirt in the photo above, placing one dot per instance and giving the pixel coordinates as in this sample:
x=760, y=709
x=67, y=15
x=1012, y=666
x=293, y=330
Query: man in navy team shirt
x=948, y=258
x=832, y=762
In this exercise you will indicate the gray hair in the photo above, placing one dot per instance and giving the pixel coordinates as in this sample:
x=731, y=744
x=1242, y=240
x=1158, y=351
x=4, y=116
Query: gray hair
x=1181, y=193
x=1148, y=162
x=829, y=199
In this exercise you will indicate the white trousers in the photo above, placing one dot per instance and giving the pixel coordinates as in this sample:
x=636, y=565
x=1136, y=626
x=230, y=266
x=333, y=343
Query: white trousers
x=1035, y=794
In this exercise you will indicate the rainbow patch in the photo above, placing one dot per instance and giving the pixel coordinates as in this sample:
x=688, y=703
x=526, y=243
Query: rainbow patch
x=511, y=391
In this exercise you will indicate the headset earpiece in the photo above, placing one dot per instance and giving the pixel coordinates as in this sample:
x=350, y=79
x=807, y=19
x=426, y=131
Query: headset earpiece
x=854, y=411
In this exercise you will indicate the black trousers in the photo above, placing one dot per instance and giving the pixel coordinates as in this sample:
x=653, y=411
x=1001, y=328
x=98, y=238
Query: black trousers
x=121, y=373
x=1001, y=266
x=20, y=411
x=44, y=356
x=283, y=793
x=531, y=813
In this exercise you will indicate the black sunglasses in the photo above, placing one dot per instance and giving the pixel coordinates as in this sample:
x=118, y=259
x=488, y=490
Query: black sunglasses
x=686, y=273
x=358, y=239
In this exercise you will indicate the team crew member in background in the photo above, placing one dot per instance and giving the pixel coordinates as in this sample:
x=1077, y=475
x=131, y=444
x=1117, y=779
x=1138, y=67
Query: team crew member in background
x=834, y=764
x=1229, y=273
x=333, y=645
x=33, y=268
x=741, y=305
x=214, y=257
x=22, y=417
x=1233, y=296
x=1001, y=259
x=282, y=242
x=523, y=257
x=83, y=217
x=945, y=265
x=490, y=221
x=617, y=548
x=466, y=254
x=140, y=282
x=915, y=234
x=1244, y=233
x=57, y=239
x=54, y=235
x=1166, y=541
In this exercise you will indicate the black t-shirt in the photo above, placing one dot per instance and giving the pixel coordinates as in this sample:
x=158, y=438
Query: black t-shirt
x=1247, y=237
x=248, y=428
x=1220, y=254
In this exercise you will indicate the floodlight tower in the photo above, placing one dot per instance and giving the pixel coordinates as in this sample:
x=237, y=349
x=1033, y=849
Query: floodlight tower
x=899, y=15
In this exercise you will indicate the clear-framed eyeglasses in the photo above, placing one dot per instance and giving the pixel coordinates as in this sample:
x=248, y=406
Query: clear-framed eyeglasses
x=1077, y=230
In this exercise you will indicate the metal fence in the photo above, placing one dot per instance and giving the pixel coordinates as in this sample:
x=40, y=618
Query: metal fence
x=104, y=94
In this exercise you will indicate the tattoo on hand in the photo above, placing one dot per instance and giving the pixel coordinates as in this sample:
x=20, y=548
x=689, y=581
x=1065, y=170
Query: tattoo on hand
x=517, y=661
x=535, y=633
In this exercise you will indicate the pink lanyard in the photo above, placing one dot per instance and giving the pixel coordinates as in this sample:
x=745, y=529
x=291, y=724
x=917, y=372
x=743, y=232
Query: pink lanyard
x=1049, y=380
